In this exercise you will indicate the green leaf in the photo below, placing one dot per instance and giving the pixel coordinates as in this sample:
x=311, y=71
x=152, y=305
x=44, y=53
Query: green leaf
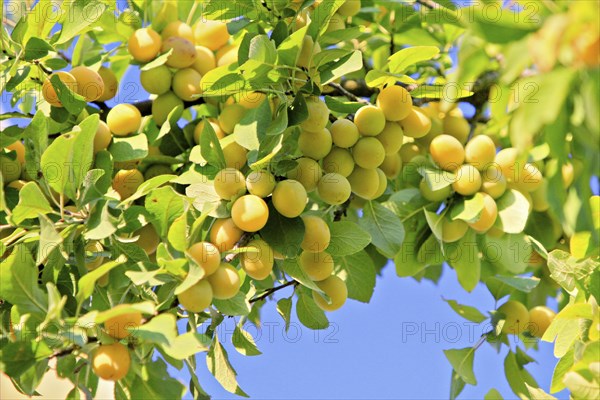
x=437, y=179
x=347, y=238
x=186, y=345
x=147, y=187
x=320, y=17
x=463, y=256
x=218, y=364
x=86, y=285
x=195, y=273
x=462, y=362
x=513, y=210
x=154, y=382
x=35, y=139
x=358, y=271
x=32, y=203
x=244, y=343
x=78, y=15
x=178, y=233
x=289, y=49
x=297, y=111
x=385, y=227
x=129, y=148
x=509, y=252
x=400, y=61
x=344, y=66
x=523, y=284
x=540, y=394
x=378, y=79
x=467, y=312
x=50, y=239
x=566, y=270
x=253, y=126
x=71, y=101
x=517, y=376
x=492, y=394
x=237, y=305
x=283, y=234
x=563, y=366
x=284, y=308
x=262, y=49
x=100, y=224
x=164, y=206
x=36, y=48
x=145, y=307
x=291, y=266
x=210, y=148
x=468, y=209
x=456, y=385
x=309, y=314
x=341, y=106
x=504, y=27
x=17, y=357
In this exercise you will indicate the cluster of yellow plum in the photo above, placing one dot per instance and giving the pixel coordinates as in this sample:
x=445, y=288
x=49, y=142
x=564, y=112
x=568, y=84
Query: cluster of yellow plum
x=517, y=319
x=194, y=51
x=92, y=85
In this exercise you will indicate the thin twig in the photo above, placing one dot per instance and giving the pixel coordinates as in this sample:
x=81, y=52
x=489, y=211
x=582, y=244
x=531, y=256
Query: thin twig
x=269, y=292
x=244, y=240
x=348, y=94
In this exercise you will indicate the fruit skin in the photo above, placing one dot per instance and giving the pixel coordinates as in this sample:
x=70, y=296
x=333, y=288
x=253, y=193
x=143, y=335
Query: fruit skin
x=335, y=289
x=177, y=28
x=336, y=23
x=395, y=102
x=197, y=298
x=488, y=215
x=229, y=183
x=416, y=124
x=225, y=282
x=48, y=91
x=315, y=144
x=334, y=189
x=206, y=255
x=224, y=234
x=186, y=84
x=493, y=182
x=529, y=178
x=364, y=182
x=318, y=115
x=10, y=169
x=250, y=100
x=308, y=49
x=408, y=151
x=230, y=116
x=508, y=162
x=250, y=213
x=200, y=128
x=516, y=318
x=89, y=83
x=540, y=197
x=453, y=231
x=391, y=165
x=227, y=57
x=339, y=161
x=369, y=120
x=349, y=8
x=392, y=137
x=144, y=45
x=148, y=239
x=540, y=318
x=317, y=266
x=456, y=126
x=111, y=84
x=163, y=105
x=117, y=326
x=111, y=362
x=316, y=234
x=468, y=180
x=258, y=264
x=289, y=198
x=260, y=183
x=102, y=138
x=211, y=34
x=235, y=155
x=126, y=182
x=308, y=172
x=156, y=80
x=447, y=152
x=383, y=183
x=368, y=153
x=183, y=55
x=19, y=148
x=124, y=119
x=434, y=195
x=480, y=152
x=205, y=60
x=344, y=133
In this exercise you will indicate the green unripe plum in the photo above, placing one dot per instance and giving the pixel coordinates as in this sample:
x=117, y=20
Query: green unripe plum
x=349, y=8
x=396, y=103
x=148, y=240
x=308, y=50
x=467, y=181
x=334, y=189
x=540, y=318
x=10, y=169
x=493, y=182
x=457, y=126
x=124, y=119
x=316, y=234
x=364, y=182
x=344, y=133
x=335, y=289
x=315, y=144
x=111, y=362
x=368, y=153
x=111, y=84
x=258, y=263
x=179, y=29
x=383, y=183
x=127, y=181
x=102, y=138
x=250, y=213
x=447, y=152
x=205, y=60
x=487, y=217
x=156, y=80
x=117, y=326
x=163, y=105
x=508, y=161
x=225, y=282
x=318, y=115
x=230, y=116
x=157, y=170
x=197, y=298
x=339, y=161
x=317, y=266
x=289, y=198
x=408, y=151
x=144, y=45
x=434, y=195
x=200, y=128
x=453, y=231
x=480, y=152
x=260, y=183
x=206, y=255
x=369, y=120
x=235, y=155
x=183, y=55
x=308, y=172
x=92, y=257
x=392, y=137
x=49, y=93
x=229, y=183
x=540, y=197
x=211, y=34
x=89, y=83
x=391, y=165
x=224, y=234
x=516, y=317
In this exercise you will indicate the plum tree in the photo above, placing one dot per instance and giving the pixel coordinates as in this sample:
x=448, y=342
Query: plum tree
x=369, y=120
x=200, y=128
x=344, y=133
x=89, y=83
x=250, y=213
x=260, y=183
x=392, y=137
x=163, y=105
x=229, y=183
x=48, y=91
x=480, y=152
x=316, y=234
x=540, y=318
x=118, y=326
x=211, y=34
x=10, y=169
x=111, y=362
x=289, y=198
x=467, y=181
x=206, y=255
x=179, y=29
x=315, y=144
x=230, y=116
x=493, y=182
x=516, y=317
x=391, y=165
x=205, y=60
x=453, y=231
x=111, y=84
x=258, y=262
x=447, y=152
x=334, y=188
x=308, y=172
x=144, y=45
x=416, y=124
x=184, y=52
x=339, y=160
x=124, y=119
x=224, y=234
x=368, y=153
x=198, y=297
x=148, y=240
x=364, y=182
x=235, y=155
x=318, y=115
x=127, y=181
x=488, y=215
x=434, y=195
x=102, y=138
x=317, y=266
x=156, y=80
x=225, y=282
x=395, y=102
x=335, y=289
x=186, y=84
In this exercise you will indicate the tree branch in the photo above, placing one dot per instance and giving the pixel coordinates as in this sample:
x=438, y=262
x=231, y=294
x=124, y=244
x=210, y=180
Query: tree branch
x=342, y=210
x=244, y=240
x=145, y=106
x=269, y=292
x=351, y=96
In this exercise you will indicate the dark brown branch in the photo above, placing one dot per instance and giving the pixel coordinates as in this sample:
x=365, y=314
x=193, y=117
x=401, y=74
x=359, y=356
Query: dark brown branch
x=342, y=210
x=351, y=96
x=145, y=106
x=429, y=4
x=269, y=292
x=244, y=240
